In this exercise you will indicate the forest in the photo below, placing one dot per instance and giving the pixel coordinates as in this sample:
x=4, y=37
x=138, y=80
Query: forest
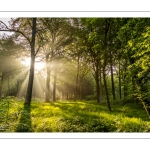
x=75, y=75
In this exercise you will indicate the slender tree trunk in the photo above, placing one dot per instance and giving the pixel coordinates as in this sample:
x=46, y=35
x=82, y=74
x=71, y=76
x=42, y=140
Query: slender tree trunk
x=104, y=65
x=106, y=89
x=112, y=80
x=77, y=78
x=124, y=79
x=8, y=86
x=134, y=83
x=31, y=73
x=125, y=89
x=47, y=98
x=81, y=81
x=125, y=85
x=97, y=83
x=54, y=86
x=97, y=90
x=101, y=86
x=119, y=82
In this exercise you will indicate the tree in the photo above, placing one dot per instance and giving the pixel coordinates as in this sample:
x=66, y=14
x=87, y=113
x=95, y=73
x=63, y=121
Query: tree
x=90, y=39
x=31, y=74
x=25, y=28
x=9, y=64
x=59, y=34
x=137, y=49
x=97, y=33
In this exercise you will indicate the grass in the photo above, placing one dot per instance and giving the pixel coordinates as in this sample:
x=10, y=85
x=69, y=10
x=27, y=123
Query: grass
x=70, y=116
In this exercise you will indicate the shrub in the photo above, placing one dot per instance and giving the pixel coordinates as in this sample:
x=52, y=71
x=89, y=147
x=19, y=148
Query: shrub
x=22, y=127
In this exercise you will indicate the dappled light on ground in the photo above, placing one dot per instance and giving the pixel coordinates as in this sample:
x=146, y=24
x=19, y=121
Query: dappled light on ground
x=69, y=116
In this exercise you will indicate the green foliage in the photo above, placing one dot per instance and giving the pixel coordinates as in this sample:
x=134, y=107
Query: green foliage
x=90, y=97
x=135, y=40
x=69, y=116
x=22, y=127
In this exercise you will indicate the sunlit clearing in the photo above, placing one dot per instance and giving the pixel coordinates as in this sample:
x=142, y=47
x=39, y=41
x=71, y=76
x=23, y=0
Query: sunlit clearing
x=38, y=65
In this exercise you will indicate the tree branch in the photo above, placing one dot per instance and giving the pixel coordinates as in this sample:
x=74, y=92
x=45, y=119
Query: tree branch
x=7, y=29
x=37, y=50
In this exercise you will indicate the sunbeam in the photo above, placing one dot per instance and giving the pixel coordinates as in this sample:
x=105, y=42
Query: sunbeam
x=39, y=65
x=21, y=92
x=38, y=87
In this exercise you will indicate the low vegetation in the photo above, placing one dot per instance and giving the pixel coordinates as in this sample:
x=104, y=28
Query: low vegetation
x=71, y=116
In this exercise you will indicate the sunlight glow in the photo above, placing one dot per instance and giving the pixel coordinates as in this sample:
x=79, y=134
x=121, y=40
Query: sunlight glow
x=26, y=62
x=38, y=65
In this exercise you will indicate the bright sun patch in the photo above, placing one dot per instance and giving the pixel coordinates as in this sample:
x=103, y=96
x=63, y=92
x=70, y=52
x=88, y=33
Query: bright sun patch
x=26, y=62
x=38, y=65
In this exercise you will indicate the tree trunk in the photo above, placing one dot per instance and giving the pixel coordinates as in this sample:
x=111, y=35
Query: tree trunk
x=119, y=82
x=125, y=90
x=101, y=86
x=124, y=80
x=106, y=89
x=112, y=79
x=8, y=86
x=104, y=65
x=31, y=74
x=54, y=86
x=125, y=87
x=134, y=84
x=77, y=78
x=81, y=81
x=97, y=83
x=47, y=98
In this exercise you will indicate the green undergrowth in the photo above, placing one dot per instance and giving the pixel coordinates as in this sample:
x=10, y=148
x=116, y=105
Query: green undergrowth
x=70, y=116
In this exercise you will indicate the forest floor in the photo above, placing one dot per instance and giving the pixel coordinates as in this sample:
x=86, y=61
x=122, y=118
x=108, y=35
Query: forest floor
x=71, y=116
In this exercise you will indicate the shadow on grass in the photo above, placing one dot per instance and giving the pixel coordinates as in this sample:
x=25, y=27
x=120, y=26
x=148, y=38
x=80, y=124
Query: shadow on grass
x=92, y=118
x=82, y=118
x=25, y=124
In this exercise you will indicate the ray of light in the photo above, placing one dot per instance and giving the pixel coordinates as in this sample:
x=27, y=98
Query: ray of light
x=21, y=92
x=38, y=89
